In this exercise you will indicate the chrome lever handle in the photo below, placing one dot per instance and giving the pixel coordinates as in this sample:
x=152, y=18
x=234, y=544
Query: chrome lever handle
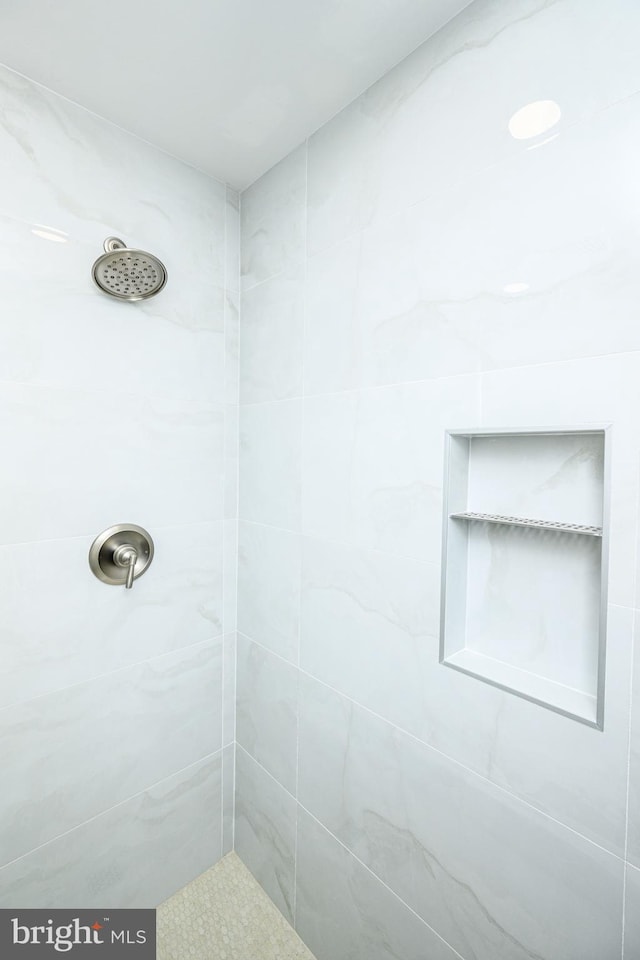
x=133, y=556
x=126, y=556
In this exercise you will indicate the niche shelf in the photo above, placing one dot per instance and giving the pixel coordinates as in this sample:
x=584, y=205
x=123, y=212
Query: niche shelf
x=524, y=582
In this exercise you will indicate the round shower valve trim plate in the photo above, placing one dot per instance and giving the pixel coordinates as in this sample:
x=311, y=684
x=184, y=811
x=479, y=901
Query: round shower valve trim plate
x=121, y=554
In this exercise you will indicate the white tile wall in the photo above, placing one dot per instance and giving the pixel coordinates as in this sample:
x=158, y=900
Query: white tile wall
x=158, y=839
x=270, y=451
x=72, y=754
x=52, y=643
x=452, y=845
x=344, y=910
x=111, y=702
x=441, y=116
x=632, y=914
x=633, y=841
x=272, y=341
x=373, y=464
x=273, y=220
x=269, y=587
x=503, y=825
x=381, y=799
x=265, y=830
x=267, y=709
x=228, y=798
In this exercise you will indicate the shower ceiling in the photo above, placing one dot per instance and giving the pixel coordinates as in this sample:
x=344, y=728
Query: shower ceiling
x=230, y=86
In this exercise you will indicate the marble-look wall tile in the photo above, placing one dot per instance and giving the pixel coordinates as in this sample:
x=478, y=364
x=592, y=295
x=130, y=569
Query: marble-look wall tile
x=265, y=829
x=69, y=172
x=228, y=797
x=134, y=855
x=267, y=710
x=633, y=846
x=603, y=390
x=70, y=755
x=230, y=599
x=231, y=459
x=166, y=458
x=270, y=463
x=111, y=412
x=369, y=629
x=333, y=341
x=232, y=346
x=232, y=240
x=495, y=878
x=343, y=910
x=56, y=642
x=271, y=338
x=367, y=617
x=273, y=220
x=456, y=276
x=574, y=773
x=269, y=587
x=66, y=168
x=63, y=331
x=229, y=689
x=442, y=115
x=373, y=464
x=632, y=915
x=393, y=304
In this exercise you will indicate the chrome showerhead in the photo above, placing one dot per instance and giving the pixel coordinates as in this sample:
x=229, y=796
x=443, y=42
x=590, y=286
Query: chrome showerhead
x=128, y=274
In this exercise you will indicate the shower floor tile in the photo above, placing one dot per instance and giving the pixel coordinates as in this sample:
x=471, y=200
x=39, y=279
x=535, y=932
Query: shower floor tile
x=224, y=914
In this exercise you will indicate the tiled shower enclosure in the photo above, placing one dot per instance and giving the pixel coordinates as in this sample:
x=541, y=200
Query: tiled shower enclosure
x=411, y=271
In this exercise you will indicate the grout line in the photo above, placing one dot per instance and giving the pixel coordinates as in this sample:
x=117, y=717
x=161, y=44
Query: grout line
x=289, y=663
x=371, y=387
x=111, y=673
x=8, y=544
x=222, y=788
x=129, y=133
x=237, y=525
x=58, y=386
x=225, y=545
x=467, y=374
x=268, y=772
x=301, y=806
x=235, y=742
x=120, y=803
x=630, y=733
x=359, y=547
x=301, y=507
x=428, y=746
x=395, y=895
x=291, y=265
x=626, y=817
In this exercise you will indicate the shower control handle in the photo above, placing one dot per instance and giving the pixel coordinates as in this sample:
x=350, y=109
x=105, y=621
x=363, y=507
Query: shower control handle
x=126, y=556
x=121, y=554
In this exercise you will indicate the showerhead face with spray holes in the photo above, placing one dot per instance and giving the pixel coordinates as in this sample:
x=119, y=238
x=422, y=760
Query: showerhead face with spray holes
x=128, y=274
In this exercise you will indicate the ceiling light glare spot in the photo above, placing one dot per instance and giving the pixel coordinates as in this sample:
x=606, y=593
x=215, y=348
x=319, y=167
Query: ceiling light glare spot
x=541, y=143
x=49, y=233
x=514, y=289
x=534, y=119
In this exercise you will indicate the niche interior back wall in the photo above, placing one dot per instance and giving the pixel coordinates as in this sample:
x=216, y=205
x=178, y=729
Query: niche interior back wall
x=114, y=774
x=413, y=267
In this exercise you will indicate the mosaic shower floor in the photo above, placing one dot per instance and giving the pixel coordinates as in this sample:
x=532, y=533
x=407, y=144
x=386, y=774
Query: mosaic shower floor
x=224, y=914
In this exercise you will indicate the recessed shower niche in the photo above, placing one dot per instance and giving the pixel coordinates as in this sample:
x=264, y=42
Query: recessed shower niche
x=524, y=564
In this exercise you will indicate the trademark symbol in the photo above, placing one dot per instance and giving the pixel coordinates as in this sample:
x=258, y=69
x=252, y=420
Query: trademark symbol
x=106, y=919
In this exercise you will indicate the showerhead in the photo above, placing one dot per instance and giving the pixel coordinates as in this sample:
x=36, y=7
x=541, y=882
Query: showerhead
x=128, y=274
